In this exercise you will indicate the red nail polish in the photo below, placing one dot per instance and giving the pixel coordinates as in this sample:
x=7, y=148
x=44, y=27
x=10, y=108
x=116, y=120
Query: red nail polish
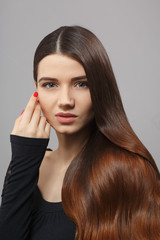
x=22, y=112
x=38, y=101
x=35, y=94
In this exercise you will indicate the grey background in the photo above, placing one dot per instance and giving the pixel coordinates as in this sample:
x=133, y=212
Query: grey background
x=130, y=32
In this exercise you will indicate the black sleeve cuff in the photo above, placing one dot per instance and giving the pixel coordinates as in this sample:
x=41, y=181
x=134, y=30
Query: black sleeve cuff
x=28, y=140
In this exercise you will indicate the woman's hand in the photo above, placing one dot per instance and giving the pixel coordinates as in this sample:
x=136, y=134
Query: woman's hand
x=31, y=123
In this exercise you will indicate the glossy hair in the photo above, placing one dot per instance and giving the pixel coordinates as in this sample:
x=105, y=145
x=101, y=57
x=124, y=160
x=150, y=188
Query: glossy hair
x=111, y=190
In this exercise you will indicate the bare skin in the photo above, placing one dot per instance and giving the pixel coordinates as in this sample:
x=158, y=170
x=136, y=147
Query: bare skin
x=64, y=96
x=31, y=123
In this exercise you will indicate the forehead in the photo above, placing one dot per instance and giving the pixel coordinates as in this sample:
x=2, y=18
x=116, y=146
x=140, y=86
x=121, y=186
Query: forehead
x=57, y=65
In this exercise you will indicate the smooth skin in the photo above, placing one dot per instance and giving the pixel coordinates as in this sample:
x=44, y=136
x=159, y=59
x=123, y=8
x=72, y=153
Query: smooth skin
x=31, y=123
x=65, y=94
x=61, y=89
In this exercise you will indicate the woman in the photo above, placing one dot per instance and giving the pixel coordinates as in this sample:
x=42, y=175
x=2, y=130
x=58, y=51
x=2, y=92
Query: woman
x=101, y=173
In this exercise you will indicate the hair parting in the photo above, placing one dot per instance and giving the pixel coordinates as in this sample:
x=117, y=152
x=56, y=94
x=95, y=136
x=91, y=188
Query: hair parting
x=111, y=190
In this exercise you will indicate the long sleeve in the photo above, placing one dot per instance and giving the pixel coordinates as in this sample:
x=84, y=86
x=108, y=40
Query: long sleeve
x=20, y=182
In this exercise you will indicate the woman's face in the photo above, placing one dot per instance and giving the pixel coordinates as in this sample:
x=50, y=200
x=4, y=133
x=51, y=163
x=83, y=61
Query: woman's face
x=62, y=87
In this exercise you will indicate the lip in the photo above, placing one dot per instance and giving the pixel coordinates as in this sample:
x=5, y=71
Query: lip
x=61, y=114
x=62, y=119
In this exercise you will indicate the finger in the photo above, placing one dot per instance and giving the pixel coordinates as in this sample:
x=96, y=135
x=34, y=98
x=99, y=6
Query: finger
x=44, y=127
x=36, y=116
x=16, y=123
x=48, y=129
x=42, y=124
x=27, y=115
x=22, y=112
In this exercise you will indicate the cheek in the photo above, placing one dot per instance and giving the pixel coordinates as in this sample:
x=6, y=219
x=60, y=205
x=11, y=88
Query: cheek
x=45, y=104
x=87, y=106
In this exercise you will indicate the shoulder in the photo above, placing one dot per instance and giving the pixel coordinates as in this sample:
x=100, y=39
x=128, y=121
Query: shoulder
x=48, y=159
x=46, y=167
x=48, y=153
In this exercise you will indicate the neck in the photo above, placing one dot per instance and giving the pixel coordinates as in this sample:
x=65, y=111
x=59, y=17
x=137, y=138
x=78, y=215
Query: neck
x=71, y=144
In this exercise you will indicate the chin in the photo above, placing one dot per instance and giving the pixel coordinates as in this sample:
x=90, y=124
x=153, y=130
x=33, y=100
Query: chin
x=69, y=130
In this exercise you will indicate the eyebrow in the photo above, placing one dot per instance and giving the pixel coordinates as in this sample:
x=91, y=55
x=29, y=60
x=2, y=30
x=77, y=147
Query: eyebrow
x=55, y=79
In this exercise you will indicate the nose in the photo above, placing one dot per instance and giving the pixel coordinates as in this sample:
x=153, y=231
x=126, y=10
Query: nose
x=65, y=98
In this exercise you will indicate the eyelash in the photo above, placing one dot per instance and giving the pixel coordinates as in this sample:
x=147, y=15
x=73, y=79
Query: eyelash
x=46, y=84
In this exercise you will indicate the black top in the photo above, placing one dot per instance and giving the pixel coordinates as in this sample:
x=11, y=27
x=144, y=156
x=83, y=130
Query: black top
x=24, y=214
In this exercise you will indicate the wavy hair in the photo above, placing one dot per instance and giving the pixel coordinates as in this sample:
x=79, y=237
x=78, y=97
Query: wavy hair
x=111, y=190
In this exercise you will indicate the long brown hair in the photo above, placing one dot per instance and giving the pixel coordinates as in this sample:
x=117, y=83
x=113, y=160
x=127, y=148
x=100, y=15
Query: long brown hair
x=111, y=190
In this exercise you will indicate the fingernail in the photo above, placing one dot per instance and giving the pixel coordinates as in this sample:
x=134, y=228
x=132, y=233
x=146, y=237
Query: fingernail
x=35, y=94
x=22, y=112
x=38, y=101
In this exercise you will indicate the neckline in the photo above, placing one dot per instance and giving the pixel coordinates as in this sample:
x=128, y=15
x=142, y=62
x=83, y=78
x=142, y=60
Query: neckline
x=46, y=205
